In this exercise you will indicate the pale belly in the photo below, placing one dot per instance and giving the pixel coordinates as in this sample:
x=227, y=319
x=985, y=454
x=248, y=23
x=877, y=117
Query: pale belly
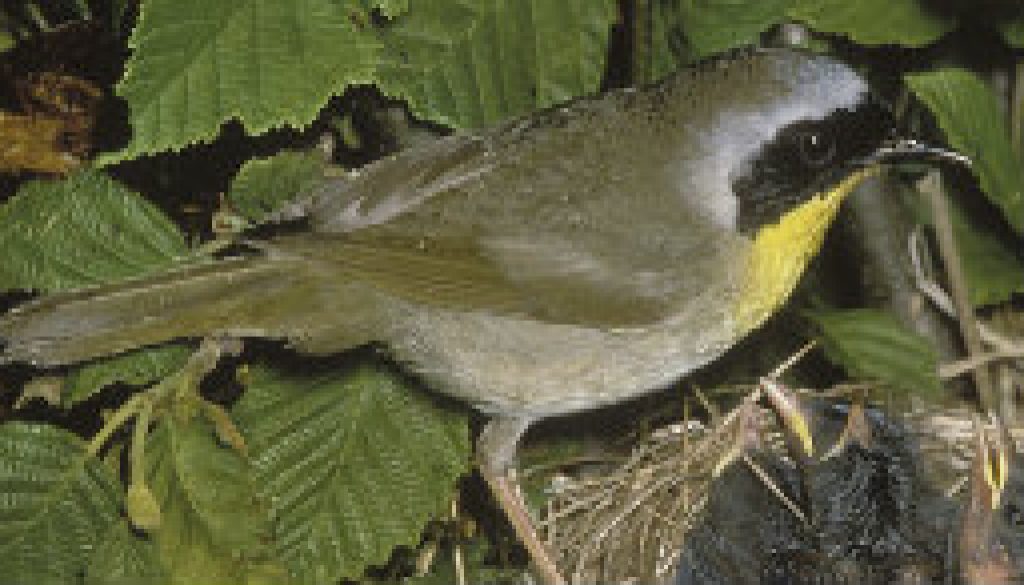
x=519, y=367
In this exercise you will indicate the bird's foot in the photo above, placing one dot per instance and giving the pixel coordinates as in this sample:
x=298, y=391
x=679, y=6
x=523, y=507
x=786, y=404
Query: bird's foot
x=496, y=448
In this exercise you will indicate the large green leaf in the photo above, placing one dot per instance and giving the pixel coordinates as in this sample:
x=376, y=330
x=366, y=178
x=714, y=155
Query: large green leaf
x=271, y=63
x=656, y=34
x=994, y=272
x=669, y=33
x=870, y=344
x=196, y=64
x=685, y=30
x=212, y=524
x=82, y=231
x=874, y=22
x=469, y=63
x=992, y=266
x=125, y=559
x=712, y=26
x=968, y=113
x=263, y=185
x=353, y=465
x=137, y=368
x=57, y=506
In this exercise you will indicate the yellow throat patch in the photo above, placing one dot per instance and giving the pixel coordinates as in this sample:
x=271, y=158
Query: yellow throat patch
x=781, y=251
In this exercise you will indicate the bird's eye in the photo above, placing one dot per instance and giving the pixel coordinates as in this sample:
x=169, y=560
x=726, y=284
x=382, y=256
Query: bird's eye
x=816, y=148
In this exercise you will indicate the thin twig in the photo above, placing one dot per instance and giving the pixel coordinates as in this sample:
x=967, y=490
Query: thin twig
x=457, y=558
x=138, y=448
x=425, y=559
x=126, y=411
x=941, y=300
x=792, y=360
x=961, y=367
x=37, y=16
x=1008, y=393
x=1016, y=107
x=774, y=489
x=710, y=408
x=629, y=524
x=957, y=486
x=932, y=188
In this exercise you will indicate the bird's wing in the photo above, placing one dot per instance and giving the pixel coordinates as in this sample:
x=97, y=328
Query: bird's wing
x=555, y=220
x=392, y=185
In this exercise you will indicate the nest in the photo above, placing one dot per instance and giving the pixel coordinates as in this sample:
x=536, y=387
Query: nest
x=630, y=525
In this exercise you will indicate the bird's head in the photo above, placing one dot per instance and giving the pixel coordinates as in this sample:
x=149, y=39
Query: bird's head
x=790, y=136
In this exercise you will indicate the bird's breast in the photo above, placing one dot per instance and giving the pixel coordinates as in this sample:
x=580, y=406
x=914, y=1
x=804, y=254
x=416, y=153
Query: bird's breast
x=514, y=365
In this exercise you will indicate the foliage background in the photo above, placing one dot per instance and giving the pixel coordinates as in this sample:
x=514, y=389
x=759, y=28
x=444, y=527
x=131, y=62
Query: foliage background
x=124, y=120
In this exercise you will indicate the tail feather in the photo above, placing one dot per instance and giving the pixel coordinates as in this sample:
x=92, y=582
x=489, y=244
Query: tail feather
x=244, y=297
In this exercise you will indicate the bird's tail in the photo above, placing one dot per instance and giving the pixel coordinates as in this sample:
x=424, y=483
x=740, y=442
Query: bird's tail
x=244, y=297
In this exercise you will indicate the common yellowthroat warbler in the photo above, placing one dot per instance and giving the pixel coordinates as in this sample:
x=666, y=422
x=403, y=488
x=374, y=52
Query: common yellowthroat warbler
x=575, y=258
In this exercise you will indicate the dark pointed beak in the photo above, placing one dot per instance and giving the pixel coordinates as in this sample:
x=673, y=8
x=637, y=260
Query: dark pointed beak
x=906, y=150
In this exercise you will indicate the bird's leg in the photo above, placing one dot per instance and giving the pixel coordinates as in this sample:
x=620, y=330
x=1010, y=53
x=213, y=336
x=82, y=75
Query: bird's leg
x=496, y=450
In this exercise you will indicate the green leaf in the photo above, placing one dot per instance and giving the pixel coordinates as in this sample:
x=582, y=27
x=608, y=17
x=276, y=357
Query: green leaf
x=993, y=271
x=874, y=22
x=212, y=524
x=870, y=344
x=7, y=41
x=713, y=26
x=968, y=113
x=125, y=559
x=84, y=230
x=655, y=54
x=268, y=63
x=58, y=504
x=137, y=368
x=263, y=185
x=688, y=30
x=470, y=63
x=392, y=8
x=353, y=465
x=1013, y=32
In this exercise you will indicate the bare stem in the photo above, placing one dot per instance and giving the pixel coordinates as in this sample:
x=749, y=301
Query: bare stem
x=138, y=452
x=120, y=416
x=932, y=188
